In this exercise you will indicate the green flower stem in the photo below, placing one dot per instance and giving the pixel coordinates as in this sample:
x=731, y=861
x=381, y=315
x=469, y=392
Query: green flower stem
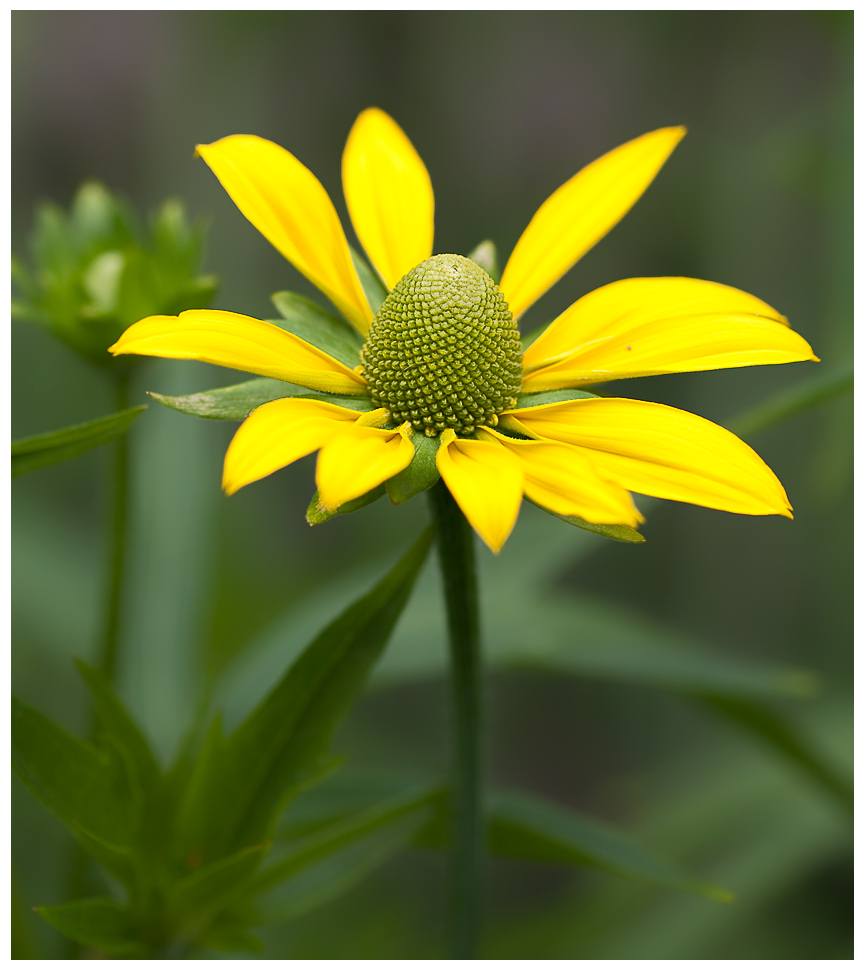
x=117, y=528
x=456, y=555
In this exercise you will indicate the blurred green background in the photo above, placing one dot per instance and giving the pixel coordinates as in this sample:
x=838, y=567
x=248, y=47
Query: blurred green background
x=503, y=108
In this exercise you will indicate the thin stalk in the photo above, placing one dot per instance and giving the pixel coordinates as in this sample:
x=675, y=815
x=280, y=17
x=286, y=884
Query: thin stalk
x=455, y=541
x=117, y=541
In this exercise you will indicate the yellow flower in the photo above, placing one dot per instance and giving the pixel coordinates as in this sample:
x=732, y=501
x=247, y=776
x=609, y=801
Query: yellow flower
x=452, y=378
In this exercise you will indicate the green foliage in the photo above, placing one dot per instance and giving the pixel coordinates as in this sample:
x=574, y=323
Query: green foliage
x=791, y=401
x=533, y=399
x=372, y=285
x=236, y=401
x=306, y=319
x=48, y=448
x=622, y=534
x=95, y=271
x=186, y=845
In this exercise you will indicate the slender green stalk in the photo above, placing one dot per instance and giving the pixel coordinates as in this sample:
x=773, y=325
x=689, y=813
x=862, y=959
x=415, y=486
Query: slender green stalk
x=456, y=555
x=117, y=528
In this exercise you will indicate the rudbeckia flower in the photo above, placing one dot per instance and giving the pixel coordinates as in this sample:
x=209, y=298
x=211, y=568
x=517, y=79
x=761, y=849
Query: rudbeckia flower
x=442, y=370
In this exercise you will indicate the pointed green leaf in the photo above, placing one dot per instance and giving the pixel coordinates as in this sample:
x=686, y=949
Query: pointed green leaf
x=312, y=323
x=196, y=899
x=97, y=922
x=48, y=448
x=283, y=743
x=316, y=514
x=783, y=737
x=84, y=786
x=231, y=937
x=232, y=403
x=486, y=257
x=421, y=473
x=621, y=534
x=373, y=287
x=336, y=857
x=115, y=721
x=416, y=803
x=530, y=828
x=533, y=399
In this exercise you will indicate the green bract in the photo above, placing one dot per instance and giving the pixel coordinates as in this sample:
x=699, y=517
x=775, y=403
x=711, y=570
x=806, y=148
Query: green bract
x=444, y=350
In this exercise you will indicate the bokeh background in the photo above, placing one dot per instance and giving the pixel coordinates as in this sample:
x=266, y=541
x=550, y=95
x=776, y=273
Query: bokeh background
x=503, y=107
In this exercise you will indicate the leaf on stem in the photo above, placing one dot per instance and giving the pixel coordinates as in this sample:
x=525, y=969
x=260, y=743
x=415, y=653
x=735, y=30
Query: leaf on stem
x=282, y=745
x=48, y=448
x=97, y=922
x=306, y=319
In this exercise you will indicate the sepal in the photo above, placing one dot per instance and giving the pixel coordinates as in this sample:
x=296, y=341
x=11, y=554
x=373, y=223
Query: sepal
x=317, y=514
x=421, y=474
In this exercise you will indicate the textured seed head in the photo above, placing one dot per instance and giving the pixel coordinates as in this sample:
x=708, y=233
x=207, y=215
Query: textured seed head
x=444, y=350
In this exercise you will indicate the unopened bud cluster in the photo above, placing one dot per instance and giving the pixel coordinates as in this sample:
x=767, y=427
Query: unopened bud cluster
x=444, y=350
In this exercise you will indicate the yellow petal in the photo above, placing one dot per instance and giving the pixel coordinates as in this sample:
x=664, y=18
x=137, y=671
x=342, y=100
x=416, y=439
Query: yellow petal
x=277, y=434
x=289, y=206
x=389, y=195
x=658, y=325
x=562, y=478
x=486, y=481
x=359, y=459
x=580, y=212
x=245, y=343
x=661, y=451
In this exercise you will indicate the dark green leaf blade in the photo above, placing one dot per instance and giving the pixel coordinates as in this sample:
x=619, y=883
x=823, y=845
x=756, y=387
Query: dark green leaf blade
x=116, y=722
x=416, y=803
x=196, y=899
x=620, y=533
x=306, y=319
x=97, y=922
x=534, y=399
x=48, y=448
x=83, y=786
x=282, y=745
x=373, y=288
x=527, y=827
x=783, y=737
x=231, y=403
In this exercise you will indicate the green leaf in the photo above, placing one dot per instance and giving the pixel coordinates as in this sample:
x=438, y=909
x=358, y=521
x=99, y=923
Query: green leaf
x=115, y=722
x=484, y=254
x=316, y=514
x=421, y=473
x=48, y=448
x=372, y=286
x=622, y=534
x=231, y=937
x=532, y=399
x=97, y=922
x=84, y=786
x=793, y=400
x=232, y=403
x=416, y=803
x=282, y=745
x=236, y=401
x=307, y=320
x=529, y=828
x=197, y=898
x=784, y=737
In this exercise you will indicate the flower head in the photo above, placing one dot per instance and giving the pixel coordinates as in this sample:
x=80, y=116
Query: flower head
x=442, y=366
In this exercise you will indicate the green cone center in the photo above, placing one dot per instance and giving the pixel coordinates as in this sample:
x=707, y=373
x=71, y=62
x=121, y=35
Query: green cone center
x=444, y=350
